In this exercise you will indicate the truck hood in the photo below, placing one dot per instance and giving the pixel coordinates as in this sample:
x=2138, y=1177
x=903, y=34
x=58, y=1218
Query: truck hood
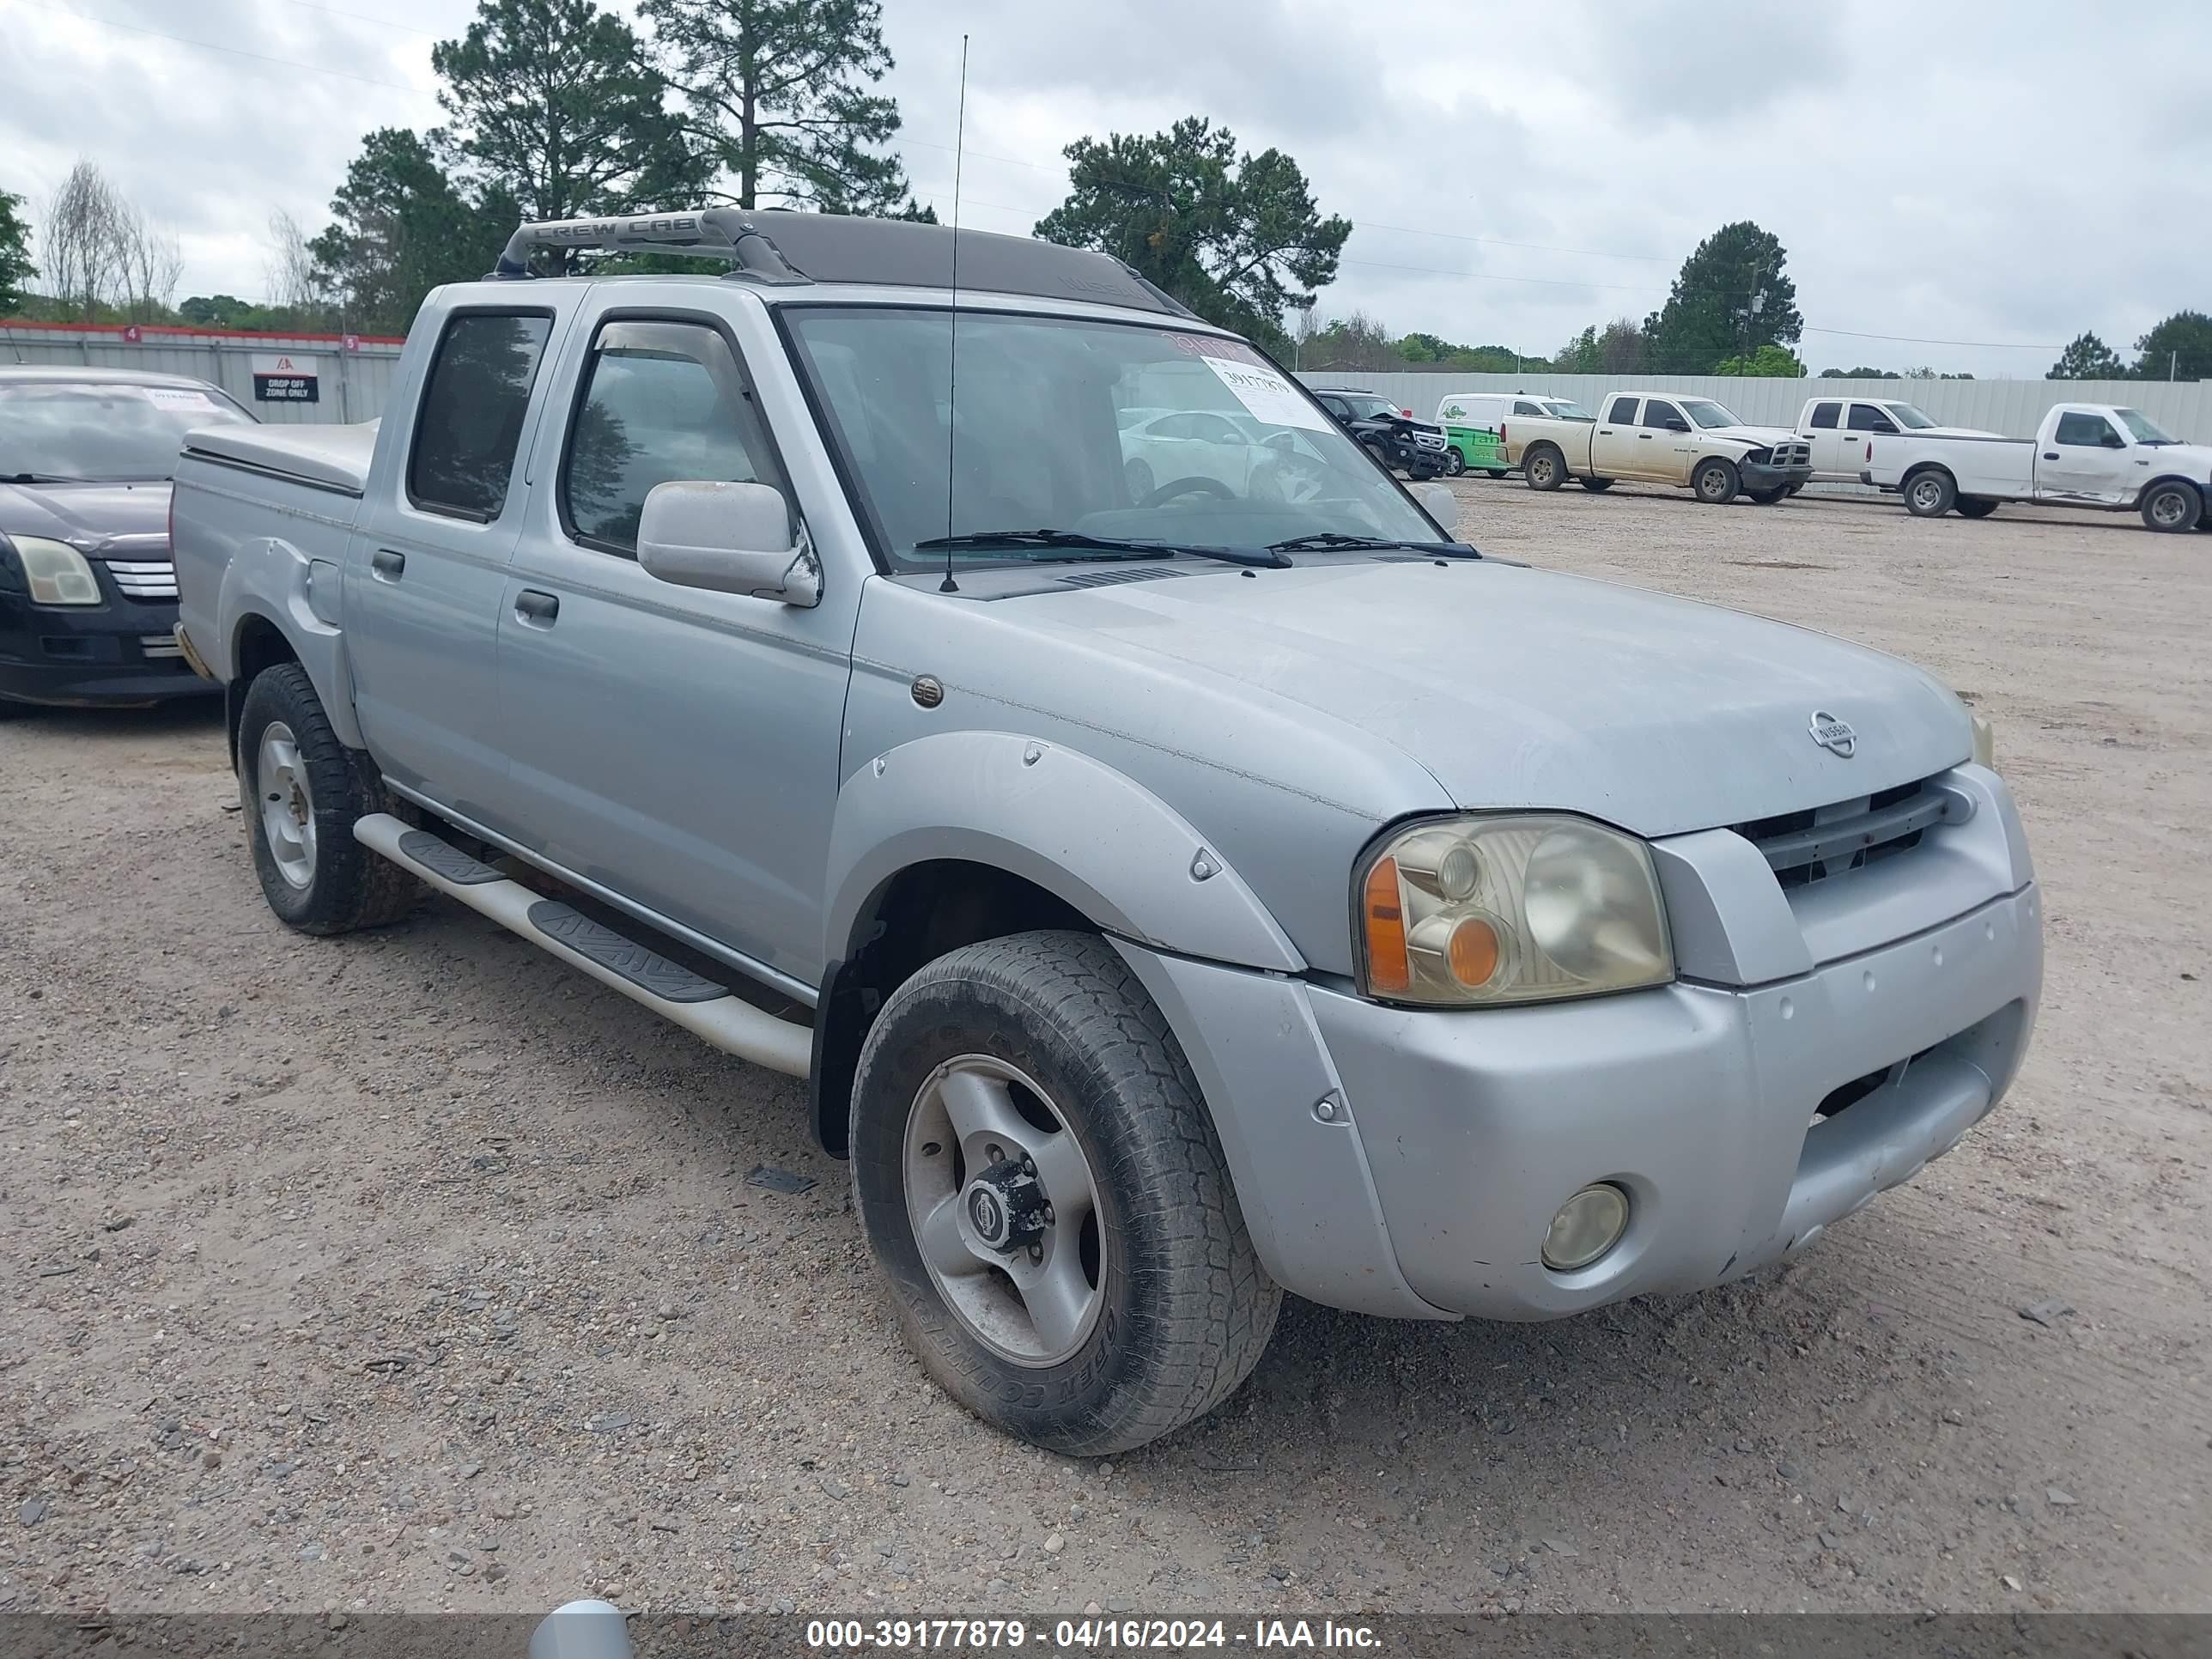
x=1521, y=688
x=87, y=516
x=1753, y=434
x=2194, y=460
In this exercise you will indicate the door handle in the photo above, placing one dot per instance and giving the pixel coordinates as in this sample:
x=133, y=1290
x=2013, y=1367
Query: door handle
x=1605, y=432
x=533, y=606
x=2050, y=454
x=388, y=564
x=1643, y=437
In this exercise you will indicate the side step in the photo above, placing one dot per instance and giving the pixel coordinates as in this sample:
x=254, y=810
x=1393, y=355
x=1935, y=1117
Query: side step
x=702, y=1007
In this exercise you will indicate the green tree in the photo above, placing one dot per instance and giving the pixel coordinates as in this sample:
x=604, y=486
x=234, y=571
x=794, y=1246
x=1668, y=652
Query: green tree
x=1730, y=299
x=400, y=226
x=1772, y=361
x=1860, y=372
x=779, y=95
x=2180, y=348
x=553, y=101
x=1238, y=239
x=2087, y=358
x=16, y=267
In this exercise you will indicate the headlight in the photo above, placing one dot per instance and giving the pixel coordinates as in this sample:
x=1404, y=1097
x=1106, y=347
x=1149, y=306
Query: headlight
x=57, y=572
x=1476, y=910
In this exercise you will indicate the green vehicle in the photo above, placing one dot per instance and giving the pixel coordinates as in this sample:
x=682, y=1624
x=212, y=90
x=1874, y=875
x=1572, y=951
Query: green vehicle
x=1473, y=449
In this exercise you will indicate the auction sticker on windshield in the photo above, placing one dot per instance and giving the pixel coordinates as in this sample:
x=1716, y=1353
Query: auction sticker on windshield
x=1267, y=395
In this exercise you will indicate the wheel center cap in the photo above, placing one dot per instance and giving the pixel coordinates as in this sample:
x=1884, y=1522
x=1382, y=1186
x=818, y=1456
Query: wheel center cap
x=1004, y=1207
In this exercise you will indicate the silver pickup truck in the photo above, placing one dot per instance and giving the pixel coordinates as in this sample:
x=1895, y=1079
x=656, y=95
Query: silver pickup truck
x=1171, y=898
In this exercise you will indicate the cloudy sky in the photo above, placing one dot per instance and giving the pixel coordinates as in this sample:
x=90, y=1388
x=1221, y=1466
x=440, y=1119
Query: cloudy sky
x=1972, y=183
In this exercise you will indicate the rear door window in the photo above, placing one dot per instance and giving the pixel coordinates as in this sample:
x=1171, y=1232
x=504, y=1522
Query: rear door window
x=1623, y=412
x=1824, y=415
x=469, y=423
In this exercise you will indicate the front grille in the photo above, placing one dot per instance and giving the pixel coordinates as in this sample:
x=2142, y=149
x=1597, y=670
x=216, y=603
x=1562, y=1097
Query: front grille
x=1828, y=840
x=1429, y=440
x=144, y=578
x=1793, y=454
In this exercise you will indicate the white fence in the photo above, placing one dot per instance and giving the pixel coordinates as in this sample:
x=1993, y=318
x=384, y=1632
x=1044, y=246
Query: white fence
x=2015, y=408
x=351, y=375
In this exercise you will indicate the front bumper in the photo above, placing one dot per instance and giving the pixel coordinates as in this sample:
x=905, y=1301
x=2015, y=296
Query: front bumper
x=122, y=653
x=1764, y=475
x=1699, y=1100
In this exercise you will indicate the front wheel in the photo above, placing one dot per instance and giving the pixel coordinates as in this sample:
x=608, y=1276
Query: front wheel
x=1454, y=463
x=1543, y=468
x=1715, y=482
x=1930, y=495
x=1043, y=1187
x=2173, y=506
x=1976, y=507
x=302, y=791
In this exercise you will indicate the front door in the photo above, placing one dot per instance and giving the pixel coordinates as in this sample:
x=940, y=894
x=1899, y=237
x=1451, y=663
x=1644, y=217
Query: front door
x=1613, y=443
x=427, y=563
x=2087, y=459
x=676, y=746
x=1663, y=443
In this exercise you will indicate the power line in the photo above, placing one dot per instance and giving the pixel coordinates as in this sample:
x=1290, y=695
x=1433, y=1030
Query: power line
x=234, y=51
x=364, y=17
x=1918, y=339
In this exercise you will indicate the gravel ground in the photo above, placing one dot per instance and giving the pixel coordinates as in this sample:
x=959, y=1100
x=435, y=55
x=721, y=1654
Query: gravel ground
x=414, y=1271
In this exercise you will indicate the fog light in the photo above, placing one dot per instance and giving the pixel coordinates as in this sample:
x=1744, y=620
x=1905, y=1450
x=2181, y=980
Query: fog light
x=1587, y=1225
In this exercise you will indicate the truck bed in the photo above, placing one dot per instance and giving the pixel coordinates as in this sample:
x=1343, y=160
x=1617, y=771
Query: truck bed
x=334, y=458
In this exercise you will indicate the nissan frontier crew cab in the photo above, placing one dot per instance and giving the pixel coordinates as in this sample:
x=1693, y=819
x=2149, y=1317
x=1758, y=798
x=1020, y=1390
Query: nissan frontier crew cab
x=1169, y=898
x=1690, y=442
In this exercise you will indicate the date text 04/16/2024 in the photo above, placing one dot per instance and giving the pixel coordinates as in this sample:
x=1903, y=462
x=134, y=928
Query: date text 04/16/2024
x=1088, y=1635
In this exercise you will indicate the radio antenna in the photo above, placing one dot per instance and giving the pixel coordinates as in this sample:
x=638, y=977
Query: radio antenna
x=952, y=376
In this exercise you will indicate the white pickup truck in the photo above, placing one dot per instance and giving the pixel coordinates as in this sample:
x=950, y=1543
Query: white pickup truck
x=1838, y=428
x=1690, y=442
x=2094, y=455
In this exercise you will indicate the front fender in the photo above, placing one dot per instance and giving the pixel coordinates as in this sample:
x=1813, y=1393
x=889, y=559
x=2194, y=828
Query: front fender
x=302, y=598
x=1077, y=828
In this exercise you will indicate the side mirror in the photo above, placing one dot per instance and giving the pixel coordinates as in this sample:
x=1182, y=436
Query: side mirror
x=1437, y=501
x=1678, y=425
x=728, y=538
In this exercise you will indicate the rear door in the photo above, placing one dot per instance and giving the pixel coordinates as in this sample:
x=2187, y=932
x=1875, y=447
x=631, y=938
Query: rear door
x=676, y=747
x=2087, y=460
x=1824, y=431
x=1613, y=440
x=428, y=566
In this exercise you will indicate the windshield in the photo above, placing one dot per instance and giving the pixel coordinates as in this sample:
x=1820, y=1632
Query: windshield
x=1907, y=416
x=1565, y=408
x=91, y=431
x=1223, y=451
x=1705, y=412
x=1368, y=409
x=2144, y=430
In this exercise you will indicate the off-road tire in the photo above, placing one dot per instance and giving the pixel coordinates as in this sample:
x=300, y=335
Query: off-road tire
x=2171, y=505
x=1716, y=481
x=1187, y=1309
x=1976, y=507
x=351, y=887
x=1595, y=486
x=1543, y=468
x=1930, y=493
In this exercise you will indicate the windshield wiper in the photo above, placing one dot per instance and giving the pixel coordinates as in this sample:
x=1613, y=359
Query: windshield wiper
x=1334, y=541
x=1272, y=557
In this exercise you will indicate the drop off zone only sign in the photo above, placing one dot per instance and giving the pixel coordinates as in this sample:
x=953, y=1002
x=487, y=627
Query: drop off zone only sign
x=282, y=378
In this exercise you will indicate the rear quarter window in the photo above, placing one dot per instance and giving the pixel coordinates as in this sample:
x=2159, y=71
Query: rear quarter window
x=469, y=423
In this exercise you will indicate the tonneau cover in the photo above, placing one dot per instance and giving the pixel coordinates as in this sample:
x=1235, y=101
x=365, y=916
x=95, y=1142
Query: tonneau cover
x=330, y=457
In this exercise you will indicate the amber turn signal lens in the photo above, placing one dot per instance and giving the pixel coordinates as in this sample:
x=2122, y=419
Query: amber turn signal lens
x=1388, y=968
x=1474, y=952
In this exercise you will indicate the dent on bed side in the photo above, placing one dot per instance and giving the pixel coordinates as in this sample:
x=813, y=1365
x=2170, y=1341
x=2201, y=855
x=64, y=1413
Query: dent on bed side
x=302, y=598
x=1051, y=815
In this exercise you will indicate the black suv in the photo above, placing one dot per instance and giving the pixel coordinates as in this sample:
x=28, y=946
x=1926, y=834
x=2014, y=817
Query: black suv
x=1414, y=447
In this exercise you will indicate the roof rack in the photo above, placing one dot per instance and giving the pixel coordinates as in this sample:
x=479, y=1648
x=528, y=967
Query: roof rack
x=782, y=248
x=725, y=233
